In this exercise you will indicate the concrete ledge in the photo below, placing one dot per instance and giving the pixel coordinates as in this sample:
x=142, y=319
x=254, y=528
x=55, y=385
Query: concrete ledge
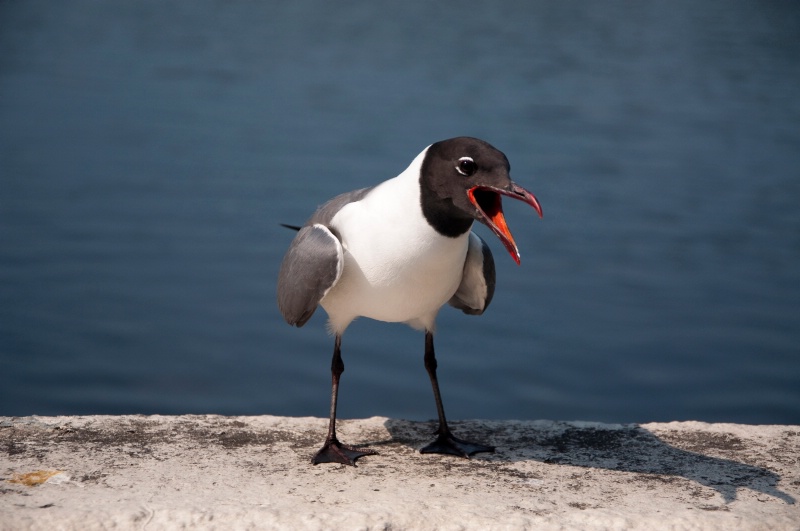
x=155, y=472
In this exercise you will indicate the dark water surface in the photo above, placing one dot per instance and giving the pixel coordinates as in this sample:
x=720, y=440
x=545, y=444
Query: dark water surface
x=149, y=150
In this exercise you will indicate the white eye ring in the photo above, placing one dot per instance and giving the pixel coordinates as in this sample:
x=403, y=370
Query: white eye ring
x=466, y=166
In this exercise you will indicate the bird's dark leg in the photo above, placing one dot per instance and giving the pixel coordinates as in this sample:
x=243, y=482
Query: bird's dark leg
x=445, y=442
x=333, y=451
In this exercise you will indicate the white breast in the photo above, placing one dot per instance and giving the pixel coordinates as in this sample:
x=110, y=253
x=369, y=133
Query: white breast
x=397, y=268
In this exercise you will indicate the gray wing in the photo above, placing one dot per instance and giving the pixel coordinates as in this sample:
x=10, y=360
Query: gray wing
x=477, y=282
x=311, y=267
x=325, y=213
x=313, y=263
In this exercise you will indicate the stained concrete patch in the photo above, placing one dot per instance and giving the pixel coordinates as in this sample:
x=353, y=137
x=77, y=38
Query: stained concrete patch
x=255, y=472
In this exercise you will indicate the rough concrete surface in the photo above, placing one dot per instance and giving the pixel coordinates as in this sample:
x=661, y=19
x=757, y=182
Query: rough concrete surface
x=156, y=472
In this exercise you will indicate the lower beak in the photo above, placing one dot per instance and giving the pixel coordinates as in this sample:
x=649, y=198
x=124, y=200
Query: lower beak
x=487, y=201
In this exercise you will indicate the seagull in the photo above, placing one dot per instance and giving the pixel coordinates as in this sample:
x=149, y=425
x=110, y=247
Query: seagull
x=398, y=252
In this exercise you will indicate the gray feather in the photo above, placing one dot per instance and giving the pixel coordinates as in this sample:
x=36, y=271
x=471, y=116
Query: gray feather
x=326, y=212
x=478, y=279
x=313, y=263
x=312, y=266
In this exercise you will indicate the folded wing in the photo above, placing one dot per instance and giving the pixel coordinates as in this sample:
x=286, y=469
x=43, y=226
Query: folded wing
x=477, y=281
x=311, y=267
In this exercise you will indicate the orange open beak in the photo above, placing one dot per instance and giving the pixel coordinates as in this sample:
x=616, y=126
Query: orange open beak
x=487, y=201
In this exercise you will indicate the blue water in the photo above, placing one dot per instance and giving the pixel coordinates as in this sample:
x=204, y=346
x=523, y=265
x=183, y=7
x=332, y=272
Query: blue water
x=149, y=150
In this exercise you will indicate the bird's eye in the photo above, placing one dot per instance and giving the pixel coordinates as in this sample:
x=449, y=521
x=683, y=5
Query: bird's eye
x=466, y=166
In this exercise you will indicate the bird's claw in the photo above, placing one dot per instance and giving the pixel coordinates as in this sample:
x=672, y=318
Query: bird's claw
x=447, y=443
x=335, y=452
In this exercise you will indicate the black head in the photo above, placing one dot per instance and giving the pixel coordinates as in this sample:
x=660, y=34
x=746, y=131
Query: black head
x=462, y=179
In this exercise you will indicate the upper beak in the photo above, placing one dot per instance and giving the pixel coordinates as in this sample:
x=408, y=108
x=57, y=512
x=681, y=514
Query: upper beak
x=487, y=201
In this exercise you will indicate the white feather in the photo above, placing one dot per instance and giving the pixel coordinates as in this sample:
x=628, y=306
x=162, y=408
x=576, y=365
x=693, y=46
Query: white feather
x=397, y=268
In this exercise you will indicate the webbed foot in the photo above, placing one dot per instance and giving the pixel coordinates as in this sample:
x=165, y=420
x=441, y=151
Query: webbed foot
x=447, y=443
x=335, y=452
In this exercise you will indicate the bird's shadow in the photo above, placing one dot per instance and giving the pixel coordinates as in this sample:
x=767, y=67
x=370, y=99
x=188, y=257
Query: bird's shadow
x=625, y=448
